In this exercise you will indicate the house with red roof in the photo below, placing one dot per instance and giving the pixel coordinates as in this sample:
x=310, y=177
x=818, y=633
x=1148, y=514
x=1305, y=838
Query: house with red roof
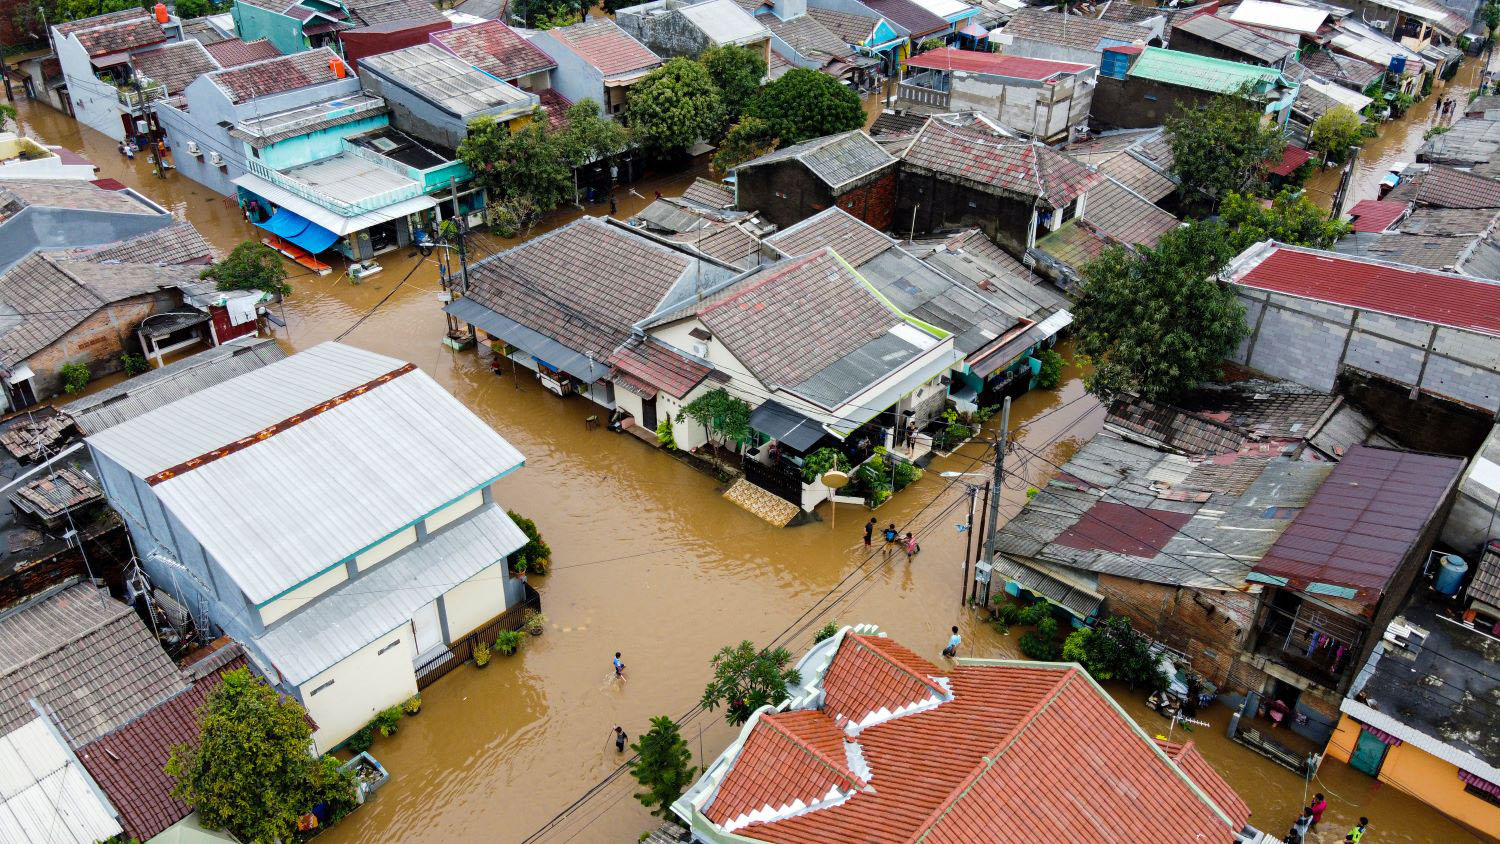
x=95, y=55
x=596, y=60
x=1038, y=98
x=878, y=744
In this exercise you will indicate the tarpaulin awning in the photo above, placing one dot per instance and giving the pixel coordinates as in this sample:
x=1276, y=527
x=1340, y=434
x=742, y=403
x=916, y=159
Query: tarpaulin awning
x=541, y=347
x=299, y=230
x=786, y=426
x=1385, y=738
x=1479, y=782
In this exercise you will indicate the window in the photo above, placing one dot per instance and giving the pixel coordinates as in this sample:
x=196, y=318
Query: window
x=1482, y=794
x=382, y=651
x=320, y=688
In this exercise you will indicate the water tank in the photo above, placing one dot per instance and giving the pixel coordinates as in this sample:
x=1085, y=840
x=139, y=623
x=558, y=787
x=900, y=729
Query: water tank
x=1451, y=574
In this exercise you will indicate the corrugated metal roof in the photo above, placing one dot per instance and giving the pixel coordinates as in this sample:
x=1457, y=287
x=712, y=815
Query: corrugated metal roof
x=724, y=22
x=994, y=64
x=362, y=610
x=287, y=507
x=446, y=81
x=1244, y=41
x=45, y=795
x=1174, y=67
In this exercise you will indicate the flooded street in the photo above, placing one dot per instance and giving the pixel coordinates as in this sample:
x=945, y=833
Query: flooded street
x=1398, y=141
x=650, y=560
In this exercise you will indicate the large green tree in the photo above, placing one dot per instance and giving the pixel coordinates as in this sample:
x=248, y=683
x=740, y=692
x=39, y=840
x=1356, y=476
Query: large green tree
x=805, y=104
x=1113, y=650
x=526, y=171
x=588, y=135
x=1222, y=146
x=674, y=107
x=737, y=71
x=250, y=266
x=750, y=138
x=1334, y=132
x=1159, y=321
x=662, y=766
x=1292, y=218
x=32, y=16
x=250, y=771
x=745, y=679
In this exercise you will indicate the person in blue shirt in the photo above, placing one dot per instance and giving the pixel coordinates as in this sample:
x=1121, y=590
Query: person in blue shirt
x=953, y=642
x=619, y=667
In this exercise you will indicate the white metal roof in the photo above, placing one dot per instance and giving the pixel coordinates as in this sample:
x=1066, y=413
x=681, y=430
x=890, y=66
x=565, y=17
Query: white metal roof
x=1279, y=16
x=283, y=509
x=944, y=8
x=362, y=610
x=1353, y=99
x=46, y=797
x=336, y=223
x=447, y=81
x=724, y=22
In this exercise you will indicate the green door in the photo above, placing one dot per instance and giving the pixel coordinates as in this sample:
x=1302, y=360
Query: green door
x=1369, y=752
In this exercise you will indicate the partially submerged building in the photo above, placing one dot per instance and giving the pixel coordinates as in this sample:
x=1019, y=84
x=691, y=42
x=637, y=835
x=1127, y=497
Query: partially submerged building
x=351, y=600
x=596, y=60
x=1035, y=98
x=1040, y=33
x=688, y=27
x=95, y=53
x=849, y=170
x=1142, y=88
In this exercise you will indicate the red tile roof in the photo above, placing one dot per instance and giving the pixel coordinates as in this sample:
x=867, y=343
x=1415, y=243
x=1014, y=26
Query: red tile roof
x=277, y=76
x=128, y=763
x=1123, y=529
x=1291, y=158
x=115, y=32
x=976, y=153
x=1364, y=520
x=234, y=52
x=1193, y=764
x=1425, y=295
x=657, y=366
x=603, y=44
x=495, y=49
x=871, y=673
x=1021, y=752
x=556, y=106
x=994, y=64
x=1376, y=215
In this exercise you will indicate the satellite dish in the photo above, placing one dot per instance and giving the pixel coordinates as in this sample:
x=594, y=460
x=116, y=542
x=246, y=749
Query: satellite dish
x=835, y=479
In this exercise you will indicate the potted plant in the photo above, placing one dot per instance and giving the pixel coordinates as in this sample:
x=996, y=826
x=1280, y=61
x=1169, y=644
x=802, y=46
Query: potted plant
x=412, y=705
x=535, y=622
x=520, y=568
x=509, y=641
x=481, y=655
x=388, y=720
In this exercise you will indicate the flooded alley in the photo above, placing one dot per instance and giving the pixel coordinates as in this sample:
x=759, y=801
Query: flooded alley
x=649, y=560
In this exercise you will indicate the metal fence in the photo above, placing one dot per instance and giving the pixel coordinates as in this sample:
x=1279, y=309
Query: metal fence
x=460, y=652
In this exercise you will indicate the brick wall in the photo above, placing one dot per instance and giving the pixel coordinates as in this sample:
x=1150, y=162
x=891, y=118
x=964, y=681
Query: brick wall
x=1210, y=626
x=1139, y=103
x=785, y=193
x=98, y=341
x=32, y=570
x=925, y=203
x=875, y=202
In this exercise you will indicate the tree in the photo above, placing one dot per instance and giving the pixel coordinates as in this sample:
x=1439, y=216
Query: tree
x=737, y=71
x=674, y=106
x=1292, y=218
x=8, y=115
x=1490, y=14
x=250, y=266
x=250, y=771
x=661, y=766
x=198, y=8
x=1335, y=131
x=526, y=170
x=545, y=14
x=1160, y=321
x=720, y=414
x=1113, y=650
x=805, y=104
x=588, y=135
x=745, y=679
x=1222, y=146
x=750, y=138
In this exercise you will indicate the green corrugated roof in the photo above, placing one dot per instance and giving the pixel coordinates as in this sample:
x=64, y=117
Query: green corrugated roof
x=1193, y=71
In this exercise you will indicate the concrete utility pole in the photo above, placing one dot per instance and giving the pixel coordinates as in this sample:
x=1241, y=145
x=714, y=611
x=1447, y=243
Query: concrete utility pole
x=463, y=255
x=996, y=488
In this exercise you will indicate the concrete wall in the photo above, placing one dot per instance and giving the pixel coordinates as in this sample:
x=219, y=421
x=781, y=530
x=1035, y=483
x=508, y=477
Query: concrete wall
x=283, y=605
x=1210, y=625
x=386, y=548
x=98, y=341
x=574, y=78
x=927, y=203
x=1140, y=103
x=1047, y=50
x=664, y=33
x=315, y=145
x=347, y=696
x=785, y=193
x=95, y=103
x=1423, y=776
x=1310, y=342
x=475, y=602
x=1046, y=111
x=284, y=33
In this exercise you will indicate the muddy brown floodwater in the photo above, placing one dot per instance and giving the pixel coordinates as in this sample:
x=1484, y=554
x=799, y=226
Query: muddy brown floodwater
x=1398, y=141
x=651, y=561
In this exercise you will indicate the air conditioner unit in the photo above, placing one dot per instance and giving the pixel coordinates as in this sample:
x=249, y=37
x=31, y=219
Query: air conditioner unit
x=216, y=159
x=700, y=350
x=192, y=148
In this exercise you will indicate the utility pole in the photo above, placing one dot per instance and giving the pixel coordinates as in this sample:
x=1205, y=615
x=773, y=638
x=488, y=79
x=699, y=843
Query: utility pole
x=963, y=590
x=463, y=255
x=995, y=488
x=1345, y=182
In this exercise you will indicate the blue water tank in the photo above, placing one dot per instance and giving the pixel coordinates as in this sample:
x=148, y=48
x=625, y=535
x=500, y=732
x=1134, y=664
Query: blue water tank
x=1397, y=65
x=1451, y=574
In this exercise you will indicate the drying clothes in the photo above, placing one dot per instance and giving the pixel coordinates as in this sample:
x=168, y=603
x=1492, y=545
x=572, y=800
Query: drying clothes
x=241, y=309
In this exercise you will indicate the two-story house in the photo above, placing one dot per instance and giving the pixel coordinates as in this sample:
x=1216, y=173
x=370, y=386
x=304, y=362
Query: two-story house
x=596, y=60
x=94, y=54
x=334, y=512
x=688, y=27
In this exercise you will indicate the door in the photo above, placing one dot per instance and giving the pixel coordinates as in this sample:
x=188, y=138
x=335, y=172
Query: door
x=1369, y=753
x=648, y=414
x=427, y=629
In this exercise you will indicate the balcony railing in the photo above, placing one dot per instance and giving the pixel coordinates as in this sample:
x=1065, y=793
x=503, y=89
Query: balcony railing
x=338, y=206
x=921, y=95
x=132, y=98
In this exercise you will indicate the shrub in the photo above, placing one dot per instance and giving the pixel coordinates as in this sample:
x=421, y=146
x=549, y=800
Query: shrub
x=905, y=474
x=1032, y=614
x=536, y=551
x=412, y=705
x=1051, y=372
x=664, y=433
x=954, y=431
x=827, y=631
x=134, y=364
x=388, y=720
x=75, y=376
x=535, y=622
x=821, y=461
x=509, y=641
x=1035, y=646
x=1112, y=650
x=361, y=741
x=1006, y=613
x=481, y=654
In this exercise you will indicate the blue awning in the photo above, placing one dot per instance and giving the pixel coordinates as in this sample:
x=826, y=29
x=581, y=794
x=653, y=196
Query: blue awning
x=544, y=349
x=299, y=230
